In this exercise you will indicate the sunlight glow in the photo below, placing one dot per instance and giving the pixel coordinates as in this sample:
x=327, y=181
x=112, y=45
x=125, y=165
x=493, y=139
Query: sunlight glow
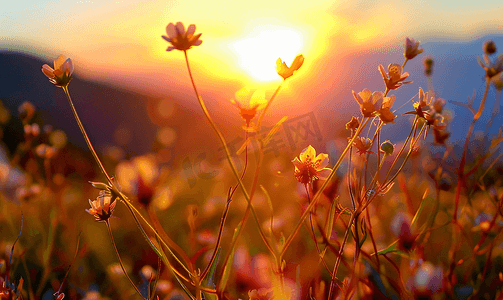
x=257, y=53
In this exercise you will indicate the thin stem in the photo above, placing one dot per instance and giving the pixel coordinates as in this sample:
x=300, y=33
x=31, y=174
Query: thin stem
x=465, y=150
x=222, y=140
x=339, y=256
x=320, y=191
x=401, y=149
x=404, y=62
x=120, y=260
x=219, y=239
x=86, y=137
x=124, y=199
x=261, y=117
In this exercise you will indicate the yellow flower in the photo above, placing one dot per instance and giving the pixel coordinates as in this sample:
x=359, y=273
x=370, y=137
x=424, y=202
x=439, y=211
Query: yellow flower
x=103, y=207
x=249, y=103
x=181, y=39
x=62, y=72
x=367, y=101
x=287, y=72
x=412, y=48
x=311, y=167
x=395, y=78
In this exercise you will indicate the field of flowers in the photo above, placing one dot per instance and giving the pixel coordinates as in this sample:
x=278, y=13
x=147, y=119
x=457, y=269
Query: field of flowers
x=383, y=219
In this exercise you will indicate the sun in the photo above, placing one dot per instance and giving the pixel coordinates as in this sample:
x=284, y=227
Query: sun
x=257, y=53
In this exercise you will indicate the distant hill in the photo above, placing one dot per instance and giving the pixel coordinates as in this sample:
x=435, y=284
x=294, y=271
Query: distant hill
x=105, y=108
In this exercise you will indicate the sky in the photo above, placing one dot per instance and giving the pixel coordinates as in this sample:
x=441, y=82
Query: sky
x=119, y=41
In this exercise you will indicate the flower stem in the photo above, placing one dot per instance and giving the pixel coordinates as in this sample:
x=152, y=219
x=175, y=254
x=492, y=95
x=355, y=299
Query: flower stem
x=222, y=141
x=124, y=199
x=120, y=260
x=86, y=137
x=320, y=191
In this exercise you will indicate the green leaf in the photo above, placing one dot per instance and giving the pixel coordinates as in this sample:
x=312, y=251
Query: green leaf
x=329, y=226
x=393, y=248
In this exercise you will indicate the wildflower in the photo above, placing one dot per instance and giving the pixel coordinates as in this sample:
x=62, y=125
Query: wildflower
x=492, y=69
x=181, y=39
x=367, y=101
x=362, y=145
x=353, y=125
x=248, y=103
x=412, y=48
x=421, y=107
x=287, y=72
x=62, y=72
x=311, y=167
x=394, y=78
x=428, y=66
x=489, y=47
x=385, y=113
x=103, y=207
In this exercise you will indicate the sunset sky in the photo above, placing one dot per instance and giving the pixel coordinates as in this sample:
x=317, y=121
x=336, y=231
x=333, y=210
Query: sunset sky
x=119, y=41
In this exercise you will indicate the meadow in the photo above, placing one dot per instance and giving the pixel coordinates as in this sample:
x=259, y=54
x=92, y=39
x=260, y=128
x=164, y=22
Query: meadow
x=374, y=218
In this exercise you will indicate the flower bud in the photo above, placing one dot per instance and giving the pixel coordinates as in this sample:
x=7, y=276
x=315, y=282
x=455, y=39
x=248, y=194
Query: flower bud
x=387, y=147
x=489, y=47
x=428, y=66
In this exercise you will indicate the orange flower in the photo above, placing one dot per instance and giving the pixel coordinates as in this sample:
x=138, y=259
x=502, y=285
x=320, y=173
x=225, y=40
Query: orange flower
x=362, y=145
x=385, y=113
x=103, y=207
x=181, y=39
x=249, y=103
x=412, y=48
x=395, y=78
x=287, y=72
x=62, y=72
x=311, y=167
x=367, y=101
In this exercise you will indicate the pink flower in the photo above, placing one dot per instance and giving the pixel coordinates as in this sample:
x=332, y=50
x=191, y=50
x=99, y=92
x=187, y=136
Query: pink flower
x=62, y=72
x=412, y=48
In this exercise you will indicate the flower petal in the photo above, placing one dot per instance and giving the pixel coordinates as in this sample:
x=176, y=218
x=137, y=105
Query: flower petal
x=191, y=30
x=307, y=154
x=48, y=71
x=321, y=160
x=171, y=31
x=180, y=29
x=324, y=173
x=59, y=61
